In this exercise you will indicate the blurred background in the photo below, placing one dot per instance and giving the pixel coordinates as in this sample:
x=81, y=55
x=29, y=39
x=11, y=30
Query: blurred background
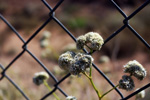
x=80, y=17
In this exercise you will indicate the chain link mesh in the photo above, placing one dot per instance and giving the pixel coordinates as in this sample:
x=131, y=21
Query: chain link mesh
x=126, y=24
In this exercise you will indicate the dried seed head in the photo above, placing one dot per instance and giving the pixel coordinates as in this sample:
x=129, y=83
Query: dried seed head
x=71, y=98
x=95, y=40
x=81, y=63
x=40, y=77
x=66, y=59
x=140, y=95
x=81, y=41
x=135, y=69
x=44, y=43
x=46, y=35
x=126, y=83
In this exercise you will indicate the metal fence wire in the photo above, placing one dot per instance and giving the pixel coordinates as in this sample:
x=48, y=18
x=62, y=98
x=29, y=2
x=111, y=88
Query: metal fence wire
x=52, y=17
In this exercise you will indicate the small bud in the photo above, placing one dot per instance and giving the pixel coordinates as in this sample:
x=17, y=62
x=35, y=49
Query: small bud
x=66, y=59
x=40, y=77
x=95, y=40
x=71, y=98
x=81, y=41
x=136, y=69
x=140, y=95
x=126, y=83
x=81, y=63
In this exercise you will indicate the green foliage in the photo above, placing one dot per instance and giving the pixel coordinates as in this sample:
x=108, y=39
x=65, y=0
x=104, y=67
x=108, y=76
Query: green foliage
x=78, y=22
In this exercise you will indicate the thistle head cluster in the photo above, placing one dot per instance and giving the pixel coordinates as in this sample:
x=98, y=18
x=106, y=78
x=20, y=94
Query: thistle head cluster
x=136, y=69
x=40, y=77
x=75, y=63
x=92, y=38
x=71, y=98
x=81, y=63
x=66, y=59
x=126, y=83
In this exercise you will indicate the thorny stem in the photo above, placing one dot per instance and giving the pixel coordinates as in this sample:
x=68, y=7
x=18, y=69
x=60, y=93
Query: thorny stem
x=90, y=78
x=109, y=91
x=49, y=88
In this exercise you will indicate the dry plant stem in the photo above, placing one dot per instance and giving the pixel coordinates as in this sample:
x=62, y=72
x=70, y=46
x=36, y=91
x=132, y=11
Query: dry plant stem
x=90, y=78
x=109, y=91
x=49, y=88
x=91, y=51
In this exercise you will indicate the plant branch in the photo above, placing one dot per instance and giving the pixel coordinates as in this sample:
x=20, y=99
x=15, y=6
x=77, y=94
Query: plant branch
x=49, y=88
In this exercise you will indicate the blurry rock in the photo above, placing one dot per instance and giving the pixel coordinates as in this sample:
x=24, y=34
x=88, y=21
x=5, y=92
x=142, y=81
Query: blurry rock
x=104, y=59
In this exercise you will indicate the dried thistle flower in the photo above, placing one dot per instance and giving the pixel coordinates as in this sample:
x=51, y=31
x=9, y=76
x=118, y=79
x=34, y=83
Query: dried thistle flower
x=40, y=77
x=126, y=83
x=66, y=59
x=81, y=63
x=95, y=40
x=81, y=41
x=140, y=95
x=71, y=98
x=135, y=69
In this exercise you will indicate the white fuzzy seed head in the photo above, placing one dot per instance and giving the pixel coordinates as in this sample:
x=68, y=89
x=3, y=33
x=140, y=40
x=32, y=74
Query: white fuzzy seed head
x=71, y=98
x=40, y=77
x=65, y=60
x=81, y=63
x=136, y=69
x=126, y=83
x=81, y=41
x=95, y=40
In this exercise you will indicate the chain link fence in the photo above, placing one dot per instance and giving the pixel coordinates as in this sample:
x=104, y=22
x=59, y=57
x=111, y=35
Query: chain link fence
x=126, y=24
